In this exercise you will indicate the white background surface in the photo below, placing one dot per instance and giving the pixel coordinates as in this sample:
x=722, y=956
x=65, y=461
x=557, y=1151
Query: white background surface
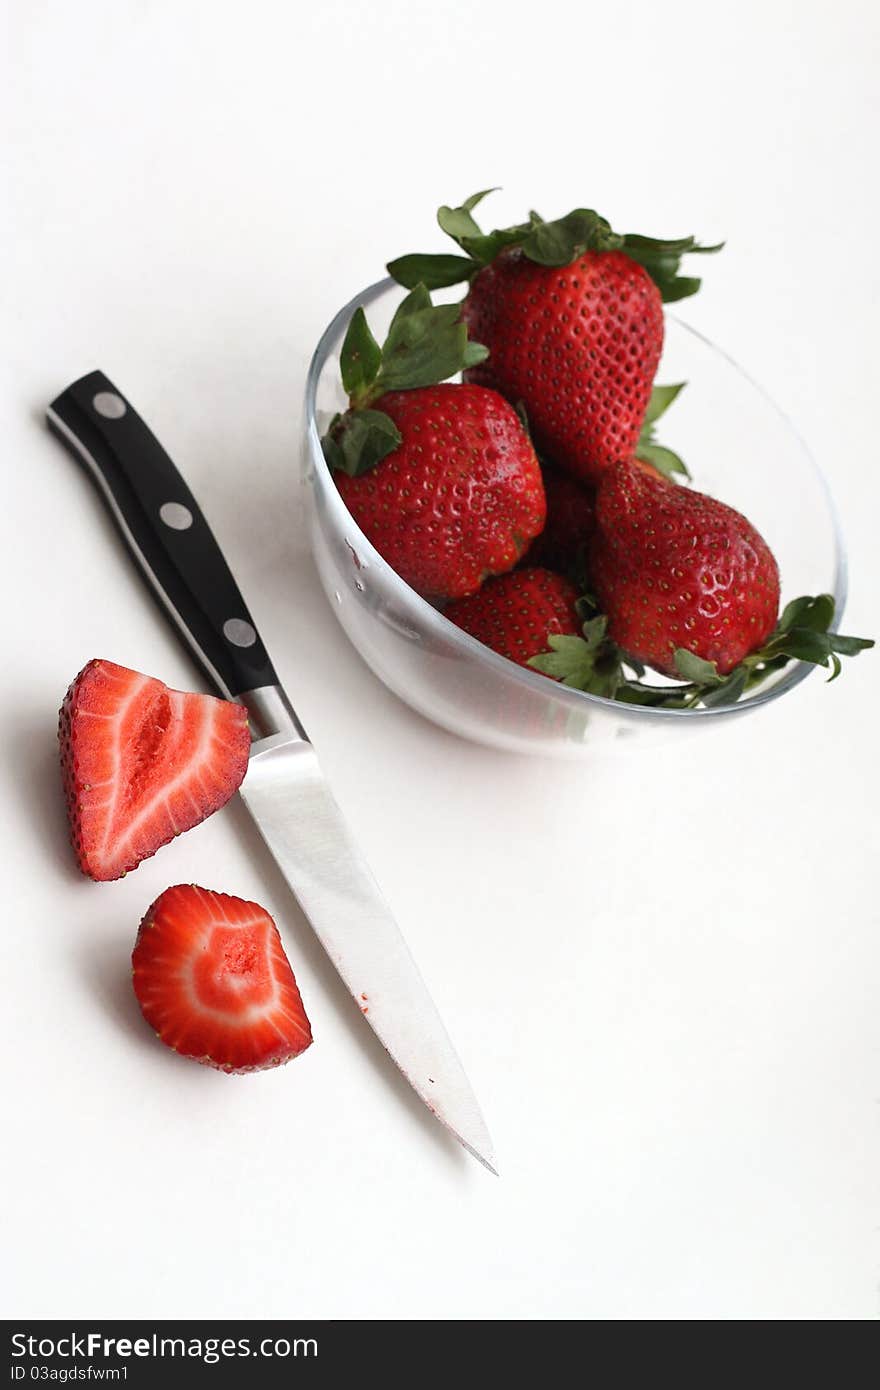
x=662, y=974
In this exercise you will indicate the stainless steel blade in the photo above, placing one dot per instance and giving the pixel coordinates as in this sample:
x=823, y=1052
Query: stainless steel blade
x=293, y=807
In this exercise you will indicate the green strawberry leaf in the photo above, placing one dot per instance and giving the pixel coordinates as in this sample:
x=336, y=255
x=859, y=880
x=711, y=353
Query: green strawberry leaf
x=481, y=247
x=435, y=272
x=591, y=662
x=426, y=344
x=729, y=690
x=694, y=669
x=569, y=660
x=801, y=643
x=663, y=459
x=358, y=440
x=661, y=399
x=647, y=449
x=594, y=632
x=457, y=222
x=470, y=203
x=662, y=260
x=806, y=644
x=417, y=303
x=484, y=248
x=423, y=348
x=474, y=354
x=812, y=612
x=412, y=303
x=675, y=287
x=360, y=358
x=656, y=696
x=554, y=243
x=561, y=242
x=849, y=646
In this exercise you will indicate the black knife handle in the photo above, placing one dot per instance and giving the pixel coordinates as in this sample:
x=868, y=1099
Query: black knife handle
x=165, y=531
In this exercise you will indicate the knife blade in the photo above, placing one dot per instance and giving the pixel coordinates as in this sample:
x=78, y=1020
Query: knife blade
x=285, y=790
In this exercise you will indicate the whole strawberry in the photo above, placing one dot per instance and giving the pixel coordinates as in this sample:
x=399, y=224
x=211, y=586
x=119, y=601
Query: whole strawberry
x=673, y=569
x=572, y=315
x=517, y=613
x=579, y=345
x=441, y=478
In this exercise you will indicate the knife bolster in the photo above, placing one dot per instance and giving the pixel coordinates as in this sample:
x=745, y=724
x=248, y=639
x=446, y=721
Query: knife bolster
x=270, y=713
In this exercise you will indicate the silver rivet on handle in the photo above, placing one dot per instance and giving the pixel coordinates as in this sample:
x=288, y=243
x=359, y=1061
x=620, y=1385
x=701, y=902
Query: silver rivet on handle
x=176, y=515
x=239, y=632
x=108, y=404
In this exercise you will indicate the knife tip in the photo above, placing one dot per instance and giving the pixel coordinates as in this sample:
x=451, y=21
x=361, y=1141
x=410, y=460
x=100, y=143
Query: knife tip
x=481, y=1158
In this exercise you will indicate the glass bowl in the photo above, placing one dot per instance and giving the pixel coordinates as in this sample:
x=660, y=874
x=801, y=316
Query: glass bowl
x=739, y=447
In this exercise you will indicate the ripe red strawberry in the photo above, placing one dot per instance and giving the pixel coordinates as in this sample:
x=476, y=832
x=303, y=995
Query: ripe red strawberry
x=515, y=614
x=571, y=516
x=572, y=315
x=672, y=568
x=579, y=345
x=442, y=479
x=459, y=498
x=142, y=763
x=212, y=980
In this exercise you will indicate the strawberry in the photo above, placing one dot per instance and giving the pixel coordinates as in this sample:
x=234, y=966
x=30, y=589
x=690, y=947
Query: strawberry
x=674, y=569
x=515, y=614
x=142, y=763
x=578, y=345
x=571, y=517
x=212, y=980
x=442, y=479
x=572, y=315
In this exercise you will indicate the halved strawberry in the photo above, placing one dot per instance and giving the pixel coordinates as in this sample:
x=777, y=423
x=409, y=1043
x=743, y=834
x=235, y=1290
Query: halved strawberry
x=142, y=763
x=212, y=979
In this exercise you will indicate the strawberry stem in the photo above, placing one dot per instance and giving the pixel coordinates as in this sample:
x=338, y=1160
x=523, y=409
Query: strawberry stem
x=596, y=664
x=546, y=243
x=426, y=344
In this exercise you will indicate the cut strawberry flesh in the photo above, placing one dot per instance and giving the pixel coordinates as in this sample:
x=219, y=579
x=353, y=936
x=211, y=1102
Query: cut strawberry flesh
x=213, y=981
x=142, y=763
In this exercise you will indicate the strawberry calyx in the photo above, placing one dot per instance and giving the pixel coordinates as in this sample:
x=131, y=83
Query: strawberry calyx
x=426, y=344
x=555, y=243
x=593, y=662
x=648, y=450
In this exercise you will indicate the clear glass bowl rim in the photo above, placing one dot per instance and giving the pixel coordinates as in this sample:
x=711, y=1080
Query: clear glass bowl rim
x=433, y=620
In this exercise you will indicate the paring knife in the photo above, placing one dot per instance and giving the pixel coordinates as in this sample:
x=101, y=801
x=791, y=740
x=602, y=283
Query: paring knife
x=284, y=790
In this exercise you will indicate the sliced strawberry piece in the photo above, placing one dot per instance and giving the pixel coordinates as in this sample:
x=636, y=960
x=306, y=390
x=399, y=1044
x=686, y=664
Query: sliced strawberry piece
x=142, y=763
x=212, y=979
